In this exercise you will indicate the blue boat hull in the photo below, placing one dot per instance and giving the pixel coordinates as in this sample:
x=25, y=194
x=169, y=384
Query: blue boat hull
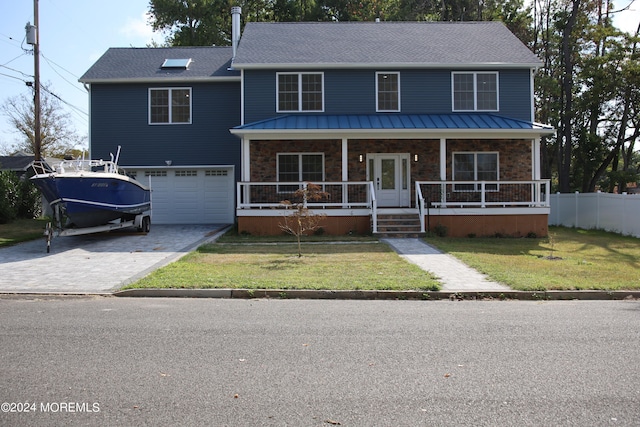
x=94, y=199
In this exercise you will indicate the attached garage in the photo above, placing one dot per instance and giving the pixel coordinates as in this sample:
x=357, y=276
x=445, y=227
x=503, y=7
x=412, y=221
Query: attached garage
x=190, y=194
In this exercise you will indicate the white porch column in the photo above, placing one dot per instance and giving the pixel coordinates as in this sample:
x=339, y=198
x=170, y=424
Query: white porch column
x=443, y=159
x=536, y=167
x=246, y=160
x=345, y=160
x=345, y=169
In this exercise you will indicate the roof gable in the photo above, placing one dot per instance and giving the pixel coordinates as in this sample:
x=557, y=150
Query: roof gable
x=145, y=64
x=403, y=44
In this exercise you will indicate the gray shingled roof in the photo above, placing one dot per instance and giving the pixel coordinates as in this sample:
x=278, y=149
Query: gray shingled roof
x=403, y=44
x=15, y=163
x=144, y=64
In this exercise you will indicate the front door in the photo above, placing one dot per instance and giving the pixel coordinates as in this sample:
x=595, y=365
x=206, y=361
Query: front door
x=390, y=176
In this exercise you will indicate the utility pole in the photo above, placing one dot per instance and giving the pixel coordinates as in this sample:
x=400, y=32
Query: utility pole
x=33, y=38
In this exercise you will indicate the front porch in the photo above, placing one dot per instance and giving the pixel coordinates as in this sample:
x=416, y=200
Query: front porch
x=469, y=173
x=459, y=208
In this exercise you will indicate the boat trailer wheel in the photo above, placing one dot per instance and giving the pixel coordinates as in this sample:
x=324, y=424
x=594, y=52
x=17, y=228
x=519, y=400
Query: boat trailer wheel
x=145, y=227
x=48, y=235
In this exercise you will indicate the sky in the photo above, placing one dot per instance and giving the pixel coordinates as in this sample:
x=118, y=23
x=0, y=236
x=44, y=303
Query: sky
x=75, y=33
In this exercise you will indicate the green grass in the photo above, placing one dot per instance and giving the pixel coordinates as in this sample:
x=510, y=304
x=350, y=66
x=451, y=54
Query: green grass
x=21, y=230
x=582, y=259
x=259, y=265
x=568, y=259
x=232, y=236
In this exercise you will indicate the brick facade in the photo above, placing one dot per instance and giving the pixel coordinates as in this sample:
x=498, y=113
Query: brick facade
x=515, y=161
x=514, y=156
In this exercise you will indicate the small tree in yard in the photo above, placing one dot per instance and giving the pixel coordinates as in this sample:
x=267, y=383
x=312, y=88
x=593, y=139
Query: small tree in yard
x=302, y=219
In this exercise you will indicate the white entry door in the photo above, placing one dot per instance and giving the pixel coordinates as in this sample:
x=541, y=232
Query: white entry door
x=390, y=176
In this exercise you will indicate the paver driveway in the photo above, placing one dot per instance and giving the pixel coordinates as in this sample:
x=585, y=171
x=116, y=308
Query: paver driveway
x=97, y=263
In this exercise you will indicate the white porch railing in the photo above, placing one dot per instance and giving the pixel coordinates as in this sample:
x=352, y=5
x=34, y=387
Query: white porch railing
x=340, y=195
x=482, y=194
x=420, y=206
x=429, y=195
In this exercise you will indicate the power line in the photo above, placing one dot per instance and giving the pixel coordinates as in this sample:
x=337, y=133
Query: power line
x=13, y=77
x=17, y=71
x=77, y=109
x=9, y=62
x=11, y=39
x=51, y=63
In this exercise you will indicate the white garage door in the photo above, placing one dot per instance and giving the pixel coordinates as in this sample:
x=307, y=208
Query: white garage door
x=190, y=195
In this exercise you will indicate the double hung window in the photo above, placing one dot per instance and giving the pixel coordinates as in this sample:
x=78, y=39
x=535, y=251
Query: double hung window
x=170, y=105
x=387, y=92
x=475, y=167
x=475, y=91
x=298, y=92
x=295, y=167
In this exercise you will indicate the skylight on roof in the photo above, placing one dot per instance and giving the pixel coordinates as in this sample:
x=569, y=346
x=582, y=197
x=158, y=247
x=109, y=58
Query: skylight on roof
x=176, y=63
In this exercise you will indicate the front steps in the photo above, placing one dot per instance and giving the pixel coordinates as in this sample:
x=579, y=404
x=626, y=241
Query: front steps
x=399, y=225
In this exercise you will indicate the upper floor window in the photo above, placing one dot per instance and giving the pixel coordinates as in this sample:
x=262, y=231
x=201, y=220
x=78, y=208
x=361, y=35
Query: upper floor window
x=387, y=92
x=300, y=92
x=170, y=105
x=475, y=91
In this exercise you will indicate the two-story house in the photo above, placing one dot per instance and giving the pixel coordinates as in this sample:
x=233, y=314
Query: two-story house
x=432, y=121
x=421, y=124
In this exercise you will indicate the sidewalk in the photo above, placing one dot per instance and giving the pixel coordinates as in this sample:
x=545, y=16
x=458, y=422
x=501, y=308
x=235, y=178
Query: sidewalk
x=454, y=274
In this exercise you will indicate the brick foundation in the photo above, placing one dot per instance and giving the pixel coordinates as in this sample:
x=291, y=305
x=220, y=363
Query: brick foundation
x=491, y=225
x=456, y=225
x=332, y=225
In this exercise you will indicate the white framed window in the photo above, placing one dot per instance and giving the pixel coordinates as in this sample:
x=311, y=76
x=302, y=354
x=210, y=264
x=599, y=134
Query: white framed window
x=170, y=105
x=296, y=92
x=474, y=91
x=387, y=91
x=296, y=167
x=475, y=166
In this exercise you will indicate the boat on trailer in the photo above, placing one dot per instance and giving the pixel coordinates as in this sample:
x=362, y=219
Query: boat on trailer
x=92, y=196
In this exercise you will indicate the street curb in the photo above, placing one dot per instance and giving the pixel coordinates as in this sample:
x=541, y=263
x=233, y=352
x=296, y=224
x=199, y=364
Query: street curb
x=378, y=295
x=52, y=294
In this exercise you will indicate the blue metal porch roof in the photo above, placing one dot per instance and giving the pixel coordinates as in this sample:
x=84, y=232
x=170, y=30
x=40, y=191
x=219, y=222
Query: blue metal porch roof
x=363, y=122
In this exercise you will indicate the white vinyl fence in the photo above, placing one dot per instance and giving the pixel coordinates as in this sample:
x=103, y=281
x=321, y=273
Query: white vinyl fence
x=619, y=213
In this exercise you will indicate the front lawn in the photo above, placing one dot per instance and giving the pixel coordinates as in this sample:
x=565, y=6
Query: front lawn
x=257, y=264
x=567, y=259
x=21, y=230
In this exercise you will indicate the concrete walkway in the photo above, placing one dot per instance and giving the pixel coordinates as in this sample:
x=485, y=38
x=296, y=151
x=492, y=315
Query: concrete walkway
x=454, y=274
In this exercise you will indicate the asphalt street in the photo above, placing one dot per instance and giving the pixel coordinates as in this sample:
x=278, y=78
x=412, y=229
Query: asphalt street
x=269, y=362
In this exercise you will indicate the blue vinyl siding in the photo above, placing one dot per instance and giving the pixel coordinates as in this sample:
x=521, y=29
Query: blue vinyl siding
x=425, y=92
x=515, y=94
x=259, y=95
x=353, y=92
x=119, y=116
